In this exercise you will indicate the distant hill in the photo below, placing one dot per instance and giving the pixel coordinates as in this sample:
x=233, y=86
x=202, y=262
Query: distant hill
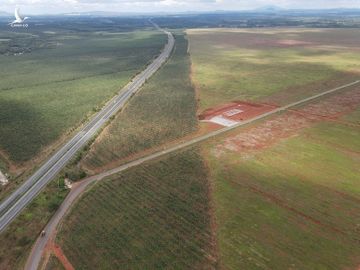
x=269, y=8
x=4, y=14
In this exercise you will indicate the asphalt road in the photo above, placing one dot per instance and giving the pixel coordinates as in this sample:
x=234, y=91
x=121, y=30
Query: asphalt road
x=38, y=249
x=19, y=199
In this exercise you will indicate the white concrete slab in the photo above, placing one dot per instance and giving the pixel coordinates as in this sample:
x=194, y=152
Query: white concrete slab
x=3, y=179
x=223, y=121
x=233, y=112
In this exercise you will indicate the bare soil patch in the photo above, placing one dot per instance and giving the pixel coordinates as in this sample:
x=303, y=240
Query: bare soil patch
x=289, y=124
x=235, y=111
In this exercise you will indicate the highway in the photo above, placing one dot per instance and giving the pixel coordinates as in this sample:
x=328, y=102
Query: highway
x=37, y=251
x=18, y=200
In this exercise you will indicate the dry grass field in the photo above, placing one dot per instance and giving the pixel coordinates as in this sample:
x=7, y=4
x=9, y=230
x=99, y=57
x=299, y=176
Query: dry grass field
x=272, y=65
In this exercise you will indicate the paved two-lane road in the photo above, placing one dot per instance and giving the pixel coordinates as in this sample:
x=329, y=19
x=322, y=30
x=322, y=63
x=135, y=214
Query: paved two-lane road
x=18, y=200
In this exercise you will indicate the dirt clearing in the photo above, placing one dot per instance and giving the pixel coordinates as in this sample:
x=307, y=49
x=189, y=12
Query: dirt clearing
x=233, y=113
x=290, y=123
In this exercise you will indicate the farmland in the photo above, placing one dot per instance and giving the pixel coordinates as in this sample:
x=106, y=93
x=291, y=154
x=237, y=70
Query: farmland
x=164, y=110
x=156, y=216
x=272, y=65
x=280, y=193
x=53, y=80
x=289, y=201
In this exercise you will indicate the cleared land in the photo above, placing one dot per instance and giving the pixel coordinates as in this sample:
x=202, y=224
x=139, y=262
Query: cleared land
x=50, y=90
x=156, y=216
x=164, y=110
x=286, y=191
x=272, y=65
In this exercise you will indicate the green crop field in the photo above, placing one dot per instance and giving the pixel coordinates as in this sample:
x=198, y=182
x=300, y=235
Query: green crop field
x=53, y=81
x=276, y=65
x=294, y=205
x=164, y=110
x=155, y=216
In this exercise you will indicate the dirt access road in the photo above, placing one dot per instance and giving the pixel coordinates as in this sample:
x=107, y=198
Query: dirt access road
x=79, y=188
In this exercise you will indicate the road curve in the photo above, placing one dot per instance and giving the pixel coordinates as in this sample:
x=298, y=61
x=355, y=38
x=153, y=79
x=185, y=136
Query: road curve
x=19, y=199
x=37, y=251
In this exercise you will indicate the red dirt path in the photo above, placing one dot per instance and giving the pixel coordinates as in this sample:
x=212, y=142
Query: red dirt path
x=62, y=258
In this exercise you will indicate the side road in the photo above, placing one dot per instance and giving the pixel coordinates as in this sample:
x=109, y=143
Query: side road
x=79, y=188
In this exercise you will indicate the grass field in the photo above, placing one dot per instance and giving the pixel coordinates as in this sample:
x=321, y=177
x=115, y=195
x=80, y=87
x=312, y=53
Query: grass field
x=48, y=91
x=54, y=264
x=156, y=216
x=17, y=240
x=354, y=117
x=294, y=205
x=277, y=65
x=164, y=110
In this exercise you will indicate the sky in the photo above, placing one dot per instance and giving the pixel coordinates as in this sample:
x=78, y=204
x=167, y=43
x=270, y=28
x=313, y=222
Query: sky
x=168, y=6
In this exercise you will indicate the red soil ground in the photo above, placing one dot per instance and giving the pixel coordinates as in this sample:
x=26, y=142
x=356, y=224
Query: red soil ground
x=236, y=111
x=289, y=123
x=62, y=258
